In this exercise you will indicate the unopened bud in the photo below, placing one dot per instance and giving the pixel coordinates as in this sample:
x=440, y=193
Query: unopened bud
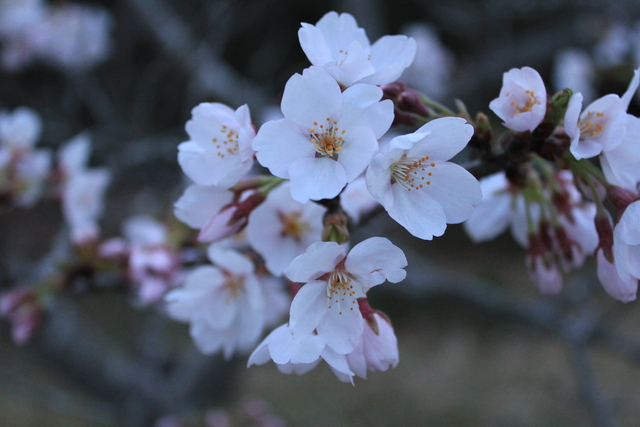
x=557, y=107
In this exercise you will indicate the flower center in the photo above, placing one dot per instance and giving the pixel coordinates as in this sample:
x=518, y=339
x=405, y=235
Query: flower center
x=339, y=287
x=233, y=284
x=411, y=173
x=327, y=138
x=292, y=226
x=527, y=105
x=226, y=142
x=591, y=125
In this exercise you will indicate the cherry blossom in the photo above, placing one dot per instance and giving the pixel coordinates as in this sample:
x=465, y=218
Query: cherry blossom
x=225, y=304
x=377, y=351
x=82, y=190
x=327, y=137
x=219, y=149
x=417, y=186
x=280, y=229
x=23, y=169
x=153, y=267
x=338, y=45
x=327, y=303
x=73, y=36
x=602, y=125
x=523, y=99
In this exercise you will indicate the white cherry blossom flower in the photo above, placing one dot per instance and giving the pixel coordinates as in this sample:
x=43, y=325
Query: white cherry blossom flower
x=417, y=186
x=225, y=304
x=338, y=45
x=73, y=36
x=327, y=137
x=522, y=103
x=327, y=303
x=82, y=189
x=280, y=229
x=602, y=125
x=153, y=266
x=20, y=129
x=23, y=169
x=502, y=207
x=219, y=149
x=83, y=204
x=31, y=171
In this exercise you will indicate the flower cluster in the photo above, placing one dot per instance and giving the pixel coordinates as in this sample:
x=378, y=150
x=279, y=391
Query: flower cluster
x=552, y=197
x=297, y=220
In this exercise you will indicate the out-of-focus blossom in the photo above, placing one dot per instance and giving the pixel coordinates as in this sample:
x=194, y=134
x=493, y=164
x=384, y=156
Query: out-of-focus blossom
x=613, y=48
x=280, y=229
x=414, y=182
x=82, y=190
x=23, y=169
x=356, y=200
x=23, y=309
x=219, y=149
x=553, y=248
x=225, y=304
x=153, y=267
x=327, y=137
x=338, y=45
x=74, y=36
x=70, y=36
x=574, y=69
x=602, y=125
x=522, y=103
x=432, y=67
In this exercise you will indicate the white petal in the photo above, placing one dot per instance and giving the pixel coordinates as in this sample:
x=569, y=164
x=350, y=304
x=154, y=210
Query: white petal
x=416, y=211
x=378, y=259
x=446, y=137
x=311, y=97
x=621, y=288
x=620, y=165
x=319, y=259
x=279, y=143
x=357, y=152
x=361, y=107
x=316, y=179
x=379, y=181
x=308, y=308
x=629, y=225
x=230, y=260
x=199, y=203
x=455, y=189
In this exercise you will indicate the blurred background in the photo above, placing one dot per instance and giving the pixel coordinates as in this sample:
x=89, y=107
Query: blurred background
x=478, y=345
